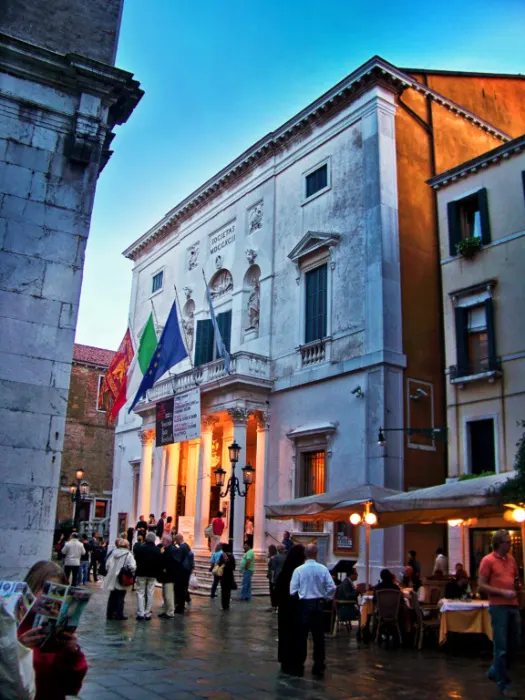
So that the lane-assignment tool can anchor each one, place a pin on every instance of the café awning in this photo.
(472, 498)
(325, 506)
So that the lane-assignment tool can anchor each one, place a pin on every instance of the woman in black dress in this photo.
(227, 581)
(288, 617)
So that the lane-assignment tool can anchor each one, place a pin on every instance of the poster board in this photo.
(179, 418)
(187, 528)
(346, 539)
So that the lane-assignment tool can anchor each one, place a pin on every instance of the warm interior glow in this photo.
(355, 518)
(79, 473)
(519, 515)
(508, 515)
(455, 523)
(370, 518)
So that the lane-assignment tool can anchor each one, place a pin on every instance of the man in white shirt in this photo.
(313, 583)
(441, 563)
(73, 550)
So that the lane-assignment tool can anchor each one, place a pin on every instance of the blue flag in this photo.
(169, 351)
(221, 348)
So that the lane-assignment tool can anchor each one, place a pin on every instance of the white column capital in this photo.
(147, 436)
(239, 414)
(208, 422)
(262, 419)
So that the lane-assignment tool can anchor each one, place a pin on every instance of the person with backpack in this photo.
(149, 565)
(120, 567)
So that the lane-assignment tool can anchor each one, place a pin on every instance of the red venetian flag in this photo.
(114, 384)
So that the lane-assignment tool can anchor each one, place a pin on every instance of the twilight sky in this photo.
(219, 75)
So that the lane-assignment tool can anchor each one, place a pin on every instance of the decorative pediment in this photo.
(311, 242)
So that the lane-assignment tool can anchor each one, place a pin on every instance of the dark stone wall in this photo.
(86, 27)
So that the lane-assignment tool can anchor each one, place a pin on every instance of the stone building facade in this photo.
(483, 291)
(88, 441)
(60, 97)
(319, 244)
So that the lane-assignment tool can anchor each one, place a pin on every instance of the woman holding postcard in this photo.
(58, 662)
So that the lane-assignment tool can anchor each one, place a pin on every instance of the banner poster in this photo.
(187, 415)
(163, 423)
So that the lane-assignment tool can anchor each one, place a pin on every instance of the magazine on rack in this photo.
(59, 609)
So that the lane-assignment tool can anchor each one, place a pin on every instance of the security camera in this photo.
(358, 392)
(421, 392)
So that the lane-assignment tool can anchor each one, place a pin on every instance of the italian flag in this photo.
(115, 383)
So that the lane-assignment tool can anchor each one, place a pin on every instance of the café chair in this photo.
(387, 611)
(423, 623)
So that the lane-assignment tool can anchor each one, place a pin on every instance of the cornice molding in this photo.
(471, 167)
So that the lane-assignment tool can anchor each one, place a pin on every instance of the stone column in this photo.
(146, 438)
(191, 476)
(202, 507)
(261, 476)
(172, 479)
(239, 418)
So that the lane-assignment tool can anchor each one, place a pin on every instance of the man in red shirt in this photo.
(498, 577)
(217, 525)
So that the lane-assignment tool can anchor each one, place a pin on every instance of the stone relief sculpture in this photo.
(218, 262)
(251, 255)
(188, 324)
(193, 256)
(255, 218)
(254, 306)
(222, 283)
(187, 291)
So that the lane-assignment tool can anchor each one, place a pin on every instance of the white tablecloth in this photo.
(446, 605)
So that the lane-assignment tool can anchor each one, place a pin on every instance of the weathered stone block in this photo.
(19, 273)
(13, 128)
(3, 229)
(37, 340)
(25, 156)
(19, 429)
(60, 375)
(67, 195)
(15, 180)
(32, 467)
(55, 246)
(33, 398)
(24, 307)
(33, 370)
(61, 219)
(12, 207)
(68, 316)
(3, 148)
(62, 282)
(38, 187)
(44, 137)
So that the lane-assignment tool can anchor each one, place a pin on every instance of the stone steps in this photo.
(205, 578)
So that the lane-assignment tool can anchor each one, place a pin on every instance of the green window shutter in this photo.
(224, 322)
(491, 333)
(315, 303)
(462, 341)
(204, 342)
(483, 204)
(454, 230)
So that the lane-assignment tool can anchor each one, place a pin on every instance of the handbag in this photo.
(234, 585)
(208, 531)
(218, 570)
(126, 576)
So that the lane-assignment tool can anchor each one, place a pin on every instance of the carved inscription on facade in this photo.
(222, 238)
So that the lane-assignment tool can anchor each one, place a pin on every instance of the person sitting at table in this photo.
(459, 587)
(347, 592)
(407, 580)
(386, 583)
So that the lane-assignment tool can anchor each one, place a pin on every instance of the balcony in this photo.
(488, 369)
(246, 369)
(315, 353)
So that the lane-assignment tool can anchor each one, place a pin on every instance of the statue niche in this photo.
(253, 300)
(188, 323)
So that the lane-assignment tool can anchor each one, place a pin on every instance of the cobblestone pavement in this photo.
(220, 655)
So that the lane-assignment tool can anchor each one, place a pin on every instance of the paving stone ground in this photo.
(232, 655)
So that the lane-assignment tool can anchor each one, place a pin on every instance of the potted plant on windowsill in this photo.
(468, 247)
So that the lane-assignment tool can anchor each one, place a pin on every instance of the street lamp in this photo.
(368, 519)
(79, 491)
(233, 486)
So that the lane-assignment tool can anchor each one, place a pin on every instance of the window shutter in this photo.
(491, 334)
(321, 302)
(316, 302)
(461, 340)
(204, 342)
(454, 230)
(483, 204)
(224, 322)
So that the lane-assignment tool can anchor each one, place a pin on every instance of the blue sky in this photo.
(219, 75)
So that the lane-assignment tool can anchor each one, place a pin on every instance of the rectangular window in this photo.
(316, 181)
(100, 396)
(469, 218)
(475, 339)
(156, 282)
(101, 509)
(205, 347)
(311, 482)
(482, 453)
(316, 303)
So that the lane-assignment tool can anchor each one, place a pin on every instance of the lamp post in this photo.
(79, 492)
(233, 486)
(368, 518)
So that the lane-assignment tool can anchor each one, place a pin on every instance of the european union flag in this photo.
(169, 351)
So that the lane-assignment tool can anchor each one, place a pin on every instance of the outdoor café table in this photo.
(465, 617)
(368, 606)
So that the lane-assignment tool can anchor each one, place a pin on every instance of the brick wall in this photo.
(88, 443)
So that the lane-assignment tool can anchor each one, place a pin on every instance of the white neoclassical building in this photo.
(299, 239)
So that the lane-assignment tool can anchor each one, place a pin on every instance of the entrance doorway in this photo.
(215, 501)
